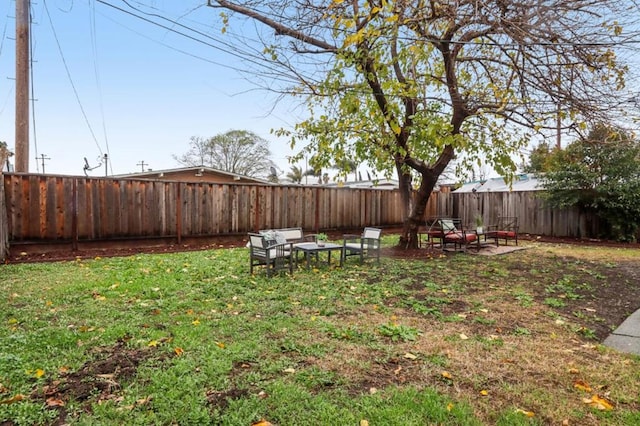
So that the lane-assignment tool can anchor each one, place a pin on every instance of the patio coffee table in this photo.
(313, 248)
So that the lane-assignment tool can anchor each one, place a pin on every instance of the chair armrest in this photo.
(351, 237)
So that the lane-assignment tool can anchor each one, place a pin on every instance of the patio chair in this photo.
(447, 232)
(274, 256)
(366, 245)
(506, 229)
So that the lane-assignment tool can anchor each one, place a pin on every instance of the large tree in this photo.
(236, 151)
(408, 85)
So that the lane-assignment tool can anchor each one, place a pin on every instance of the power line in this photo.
(66, 67)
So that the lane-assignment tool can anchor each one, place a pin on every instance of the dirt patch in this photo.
(97, 380)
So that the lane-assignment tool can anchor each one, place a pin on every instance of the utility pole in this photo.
(22, 85)
(106, 165)
(43, 157)
(142, 164)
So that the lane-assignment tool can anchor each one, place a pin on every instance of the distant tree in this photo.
(296, 174)
(539, 159)
(600, 174)
(4, 154)
(236, 151)
(315, 173)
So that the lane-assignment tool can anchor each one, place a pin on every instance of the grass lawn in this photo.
(192, 338)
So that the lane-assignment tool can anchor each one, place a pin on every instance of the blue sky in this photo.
(142, 97)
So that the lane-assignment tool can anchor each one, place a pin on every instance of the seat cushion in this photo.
(506, 234)
(459, 236)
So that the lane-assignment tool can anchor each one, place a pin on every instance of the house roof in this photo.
(198, 171)
(521, 182)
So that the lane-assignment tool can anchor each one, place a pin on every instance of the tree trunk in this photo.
(413, 222)
(429, 178)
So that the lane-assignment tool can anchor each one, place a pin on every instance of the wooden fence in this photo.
(68, 209)
(76, 209)
(533, 216)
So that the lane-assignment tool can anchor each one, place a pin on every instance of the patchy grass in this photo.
(192, 338)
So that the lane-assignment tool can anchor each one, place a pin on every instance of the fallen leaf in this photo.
(599, 402)
(153, 343)
(583, 386)
(144, 401)
(54, 402)
(364, 422)
(447, 375)
(289, 370)
(463, 316)
(484, 392)
(450, 406)
(179, 351)
(397, 370)
(38, 373)
(195, 322)
(373, 391)
(409, 355)
(17, 398)
(220, 345)
(463, 336)
(526, 413)
(262, 422)
(574, 371)
(110, 376)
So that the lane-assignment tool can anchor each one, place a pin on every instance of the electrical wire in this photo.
(94, 48)
(66, 67)
(230, 49)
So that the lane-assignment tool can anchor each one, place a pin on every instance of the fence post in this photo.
(4, 225)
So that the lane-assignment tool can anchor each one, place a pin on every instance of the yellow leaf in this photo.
(153, 343)
(450, 406)
(409, 355)
(484, 392)
(599, 402)
(463, 336)
(179, 351)
(39, 373)
(364, 422)
(447, 375)
(262, 422)
(526, 413)
(195, 322)
(289, 370)
(17, 398)
(583, 386)
(220, 345)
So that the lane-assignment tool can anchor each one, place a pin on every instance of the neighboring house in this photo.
(522, 182)
(381, 183)
(195, 174)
